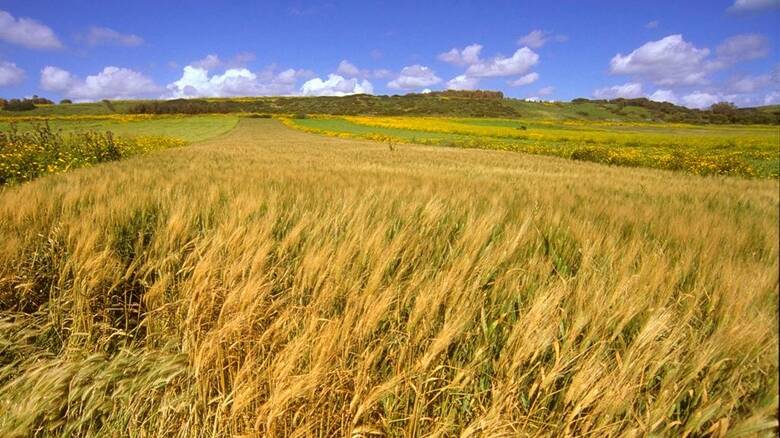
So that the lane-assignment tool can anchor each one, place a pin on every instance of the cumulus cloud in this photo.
(668, 61)
(336, 85)
(743, 48)
(346, 68)
(350, 70)
(519, 63)
(525, 80)
(675, 64)
(700, 99)
(742, 6)
(27, 32)
(462, 82)
(750, 84)
(212, 62)
(10, 74)
(414, 76)
(111, 83)
(466, 56)
(209, 62)
(630, 90)
(105, 36)
(197, 82)
(56, 79)
(748, 96)
(696, 99)
(662, 95)
(538, 38)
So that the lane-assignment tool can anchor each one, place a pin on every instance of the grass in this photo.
(269, 282)
(25, 155)
(190, 128)
(699, 149)
(74, 109)
(31, 147)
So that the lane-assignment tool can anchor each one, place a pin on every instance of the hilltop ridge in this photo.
(473, 103)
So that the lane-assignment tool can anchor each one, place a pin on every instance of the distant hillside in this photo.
(476, 103)
(646, 109)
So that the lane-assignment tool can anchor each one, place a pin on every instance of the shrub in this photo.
(719, 113)
(19, 105)
(475, 105)
(40, 100)
(66, 102)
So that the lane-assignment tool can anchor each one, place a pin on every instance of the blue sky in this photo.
(692, 53)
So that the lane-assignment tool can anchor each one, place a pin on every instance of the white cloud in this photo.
(414, 76)
(743, 48)
(652, 24)
(336, 85)
(196, 82)
(346, 68)
(546, 91)
(462, 82)
(700, 99)
(27, 32)
(350, 70)
(10, 74)
(664, 96)
(518, 64)
(668, 61)
(538, 38)
(753, 5)
(772, 98)
(534, 39)
(56, 79)
(105, 36)
(525, 80)
(696, 99)
(467, 56)
(676, 64)
(630, 90)
(750, 84)
(522, 60)
(111, 83)
(212, 62)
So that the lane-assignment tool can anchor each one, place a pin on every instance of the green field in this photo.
(191, 128)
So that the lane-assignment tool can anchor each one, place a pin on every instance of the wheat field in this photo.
(269, 282)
